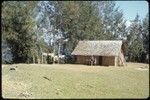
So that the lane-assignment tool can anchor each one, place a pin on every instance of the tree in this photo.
(17, 28)
(112, 19)
(145, 37)
(135, 40)
(81, 22)
(71, 20)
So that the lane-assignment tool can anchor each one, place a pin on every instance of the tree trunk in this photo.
(33, 59)
(42, 59)
(58, 53)
(38, 60)
(54, 53)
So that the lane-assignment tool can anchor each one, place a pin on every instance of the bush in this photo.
(70, 59)
(7, 57)
(49, 60)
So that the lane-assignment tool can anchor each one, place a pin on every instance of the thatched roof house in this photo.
(104, 52)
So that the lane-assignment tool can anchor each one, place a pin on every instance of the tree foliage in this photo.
(136, 39)
(32, 27)
(17, 29)
(112, 19)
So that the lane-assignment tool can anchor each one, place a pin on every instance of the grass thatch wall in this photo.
(82, 59)
(108, 60)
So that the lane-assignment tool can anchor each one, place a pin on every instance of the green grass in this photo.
(74, 81)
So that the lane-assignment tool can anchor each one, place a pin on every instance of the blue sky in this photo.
(131, 8)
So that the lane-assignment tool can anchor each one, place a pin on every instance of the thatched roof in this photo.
(101, 48)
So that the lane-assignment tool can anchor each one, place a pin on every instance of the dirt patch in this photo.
(136, 65)
(49, 79)
(141, 68)
(25, 94)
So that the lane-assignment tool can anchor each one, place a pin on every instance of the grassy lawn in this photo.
(75, 81)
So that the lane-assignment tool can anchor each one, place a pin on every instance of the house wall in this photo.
(108, 60)
(86, 59)
(82, 59)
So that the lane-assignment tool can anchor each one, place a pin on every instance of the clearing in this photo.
(75, 81)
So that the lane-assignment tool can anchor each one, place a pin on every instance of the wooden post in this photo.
(95, 60)
(92, 60)
(116, 60)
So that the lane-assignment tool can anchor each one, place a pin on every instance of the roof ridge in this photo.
(100, 40)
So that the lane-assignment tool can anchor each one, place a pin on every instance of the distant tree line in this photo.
(32, 27)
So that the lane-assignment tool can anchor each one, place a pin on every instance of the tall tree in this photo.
(77, 20)
(145, 37)
(17, 28)
(112, 19)
(81, 22)
(135, 40)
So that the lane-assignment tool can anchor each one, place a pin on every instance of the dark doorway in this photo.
(100, 60)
